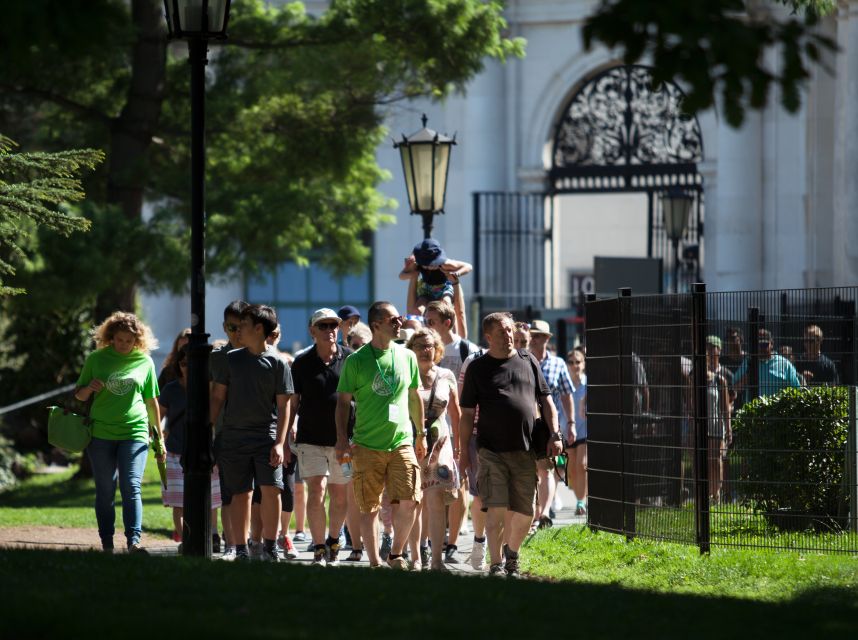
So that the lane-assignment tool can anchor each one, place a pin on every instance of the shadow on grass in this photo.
(67, 493)
(217, 599)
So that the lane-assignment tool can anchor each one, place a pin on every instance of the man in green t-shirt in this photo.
(382, 379)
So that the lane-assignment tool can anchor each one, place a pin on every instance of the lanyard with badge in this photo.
(392, 409)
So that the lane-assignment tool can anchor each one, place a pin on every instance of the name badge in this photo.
(393, 412)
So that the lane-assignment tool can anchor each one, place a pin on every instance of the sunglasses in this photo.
(327, 326)
(231, 327)
(396, 319)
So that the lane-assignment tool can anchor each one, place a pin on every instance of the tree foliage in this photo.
(295, 106)
(717, 47)
(34, 187)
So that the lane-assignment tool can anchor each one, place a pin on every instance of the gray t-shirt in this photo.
(253, 383)
(452, 359)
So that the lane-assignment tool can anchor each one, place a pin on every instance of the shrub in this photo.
(789, 453)
(13, 465)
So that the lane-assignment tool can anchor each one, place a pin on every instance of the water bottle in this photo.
(346, 465)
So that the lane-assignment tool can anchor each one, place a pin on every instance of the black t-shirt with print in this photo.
(316, 382)
(505, 391)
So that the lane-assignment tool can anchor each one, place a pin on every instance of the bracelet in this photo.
(556, 437)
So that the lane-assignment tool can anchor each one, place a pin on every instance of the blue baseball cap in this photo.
(347, 311)
(429, 253)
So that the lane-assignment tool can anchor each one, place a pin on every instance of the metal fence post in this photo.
(852, 459)
(629, 526)
(753, 353)
(699, 397)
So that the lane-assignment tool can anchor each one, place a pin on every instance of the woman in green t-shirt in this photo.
(121, 377)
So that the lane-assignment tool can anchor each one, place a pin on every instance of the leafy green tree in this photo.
(33, 189)
(717, 47)
(294, 114)
(295, 106)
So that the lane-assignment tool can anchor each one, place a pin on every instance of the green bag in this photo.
(68, 430)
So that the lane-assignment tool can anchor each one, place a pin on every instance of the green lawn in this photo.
(137, 597)
(578, 554)
(594, 583)
(57, 500)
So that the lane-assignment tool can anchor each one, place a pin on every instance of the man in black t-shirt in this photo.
(506, 384)
(316, 373)
(816, 368)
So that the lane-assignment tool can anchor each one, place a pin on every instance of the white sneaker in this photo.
(255, 549)
(477, 558)
(557, 505)
(228, 554)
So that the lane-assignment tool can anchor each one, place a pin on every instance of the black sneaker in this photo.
(424, 556)
(386, 544)
(497, 570)
(241, 555)
(269, 555)
(450, 554)
(504, 551)
(215, 543)
(332, 554)
(319, 556)
(511, 568)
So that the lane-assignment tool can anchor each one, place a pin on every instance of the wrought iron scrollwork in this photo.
(621, 120)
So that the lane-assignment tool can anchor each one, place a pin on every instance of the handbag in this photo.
(429, 420)
(540, 435)
(69, 430)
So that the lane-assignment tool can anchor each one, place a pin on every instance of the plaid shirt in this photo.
(557, 376)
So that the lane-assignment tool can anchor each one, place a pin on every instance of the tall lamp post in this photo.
(425, 162)
(197, 21)
(676, 206)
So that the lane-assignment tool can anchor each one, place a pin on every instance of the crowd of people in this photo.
(397, 424)
(730, 385)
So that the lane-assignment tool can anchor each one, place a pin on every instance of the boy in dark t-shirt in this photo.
(255, 385)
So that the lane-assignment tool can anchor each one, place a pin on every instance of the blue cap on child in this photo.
(429, 253)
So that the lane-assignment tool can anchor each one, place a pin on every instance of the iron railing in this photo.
(697, 434)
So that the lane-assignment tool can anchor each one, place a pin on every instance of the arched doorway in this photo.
(617, 133)
(620, 133)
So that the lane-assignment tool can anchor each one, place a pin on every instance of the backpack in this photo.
(465, 349)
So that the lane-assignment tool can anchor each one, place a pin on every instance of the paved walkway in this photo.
(45, 537)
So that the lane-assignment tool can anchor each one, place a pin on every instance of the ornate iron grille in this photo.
(622, 132)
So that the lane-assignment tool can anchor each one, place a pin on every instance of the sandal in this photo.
(355, 556)
(544, 523)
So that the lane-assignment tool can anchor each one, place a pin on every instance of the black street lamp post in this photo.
(197, 21)
(676, 206)
(425, 162)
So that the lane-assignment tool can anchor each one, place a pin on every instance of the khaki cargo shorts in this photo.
(373, 470)
(507, 479)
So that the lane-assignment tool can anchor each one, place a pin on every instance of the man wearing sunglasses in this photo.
(218, 362)
(382, 379)
(315, 374)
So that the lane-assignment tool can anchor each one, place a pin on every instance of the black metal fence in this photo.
(725, 418)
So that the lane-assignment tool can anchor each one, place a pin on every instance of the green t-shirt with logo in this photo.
(379, 379)
(119, 409)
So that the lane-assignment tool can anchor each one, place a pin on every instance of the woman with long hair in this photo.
(168, 368)
(120, 377)
(439, 391)
(576, 450)
(173, 404)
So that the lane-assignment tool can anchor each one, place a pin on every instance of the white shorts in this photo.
(314, 460)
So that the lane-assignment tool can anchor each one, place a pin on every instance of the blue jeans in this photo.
(124, 460)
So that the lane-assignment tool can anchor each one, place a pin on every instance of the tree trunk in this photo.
(131, 133)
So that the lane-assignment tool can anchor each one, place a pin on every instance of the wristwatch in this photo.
(556, 437)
